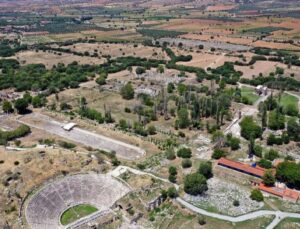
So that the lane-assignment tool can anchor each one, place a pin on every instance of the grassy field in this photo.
(249, 94)
(76, 212)
(289, 223)
(288, 100)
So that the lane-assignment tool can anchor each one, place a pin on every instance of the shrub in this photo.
(170, 154)
(151, 130)
(186, 163)
(234, 143)
(172, 170)
(236, 203)
(195, 184)
(257, 195)
(66, 145)
(184, 153)
(201, 220)
(172, 178)
(172, 193)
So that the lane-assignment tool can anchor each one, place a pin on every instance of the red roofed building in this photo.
(285, 193)
(241, 167)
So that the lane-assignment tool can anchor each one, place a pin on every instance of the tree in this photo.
(140, 70)
(38, 101)
(276, 120)
(183, 118)
(268, 178)
(257, 195)
(27, 97)
(289, 172)
(271, 155)
(293, 130)
(218, 153)
(170, 87)
(205, 168)
(160, 69)
(250, 128)
(184, 153)
(195, 184)
(21, 105)
(7, 106)
(127, 91)
(257, 150)
(172, 170)
(265, 163)
(101, 80)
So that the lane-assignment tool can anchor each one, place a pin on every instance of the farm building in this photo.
(283, 192)
(241, 167)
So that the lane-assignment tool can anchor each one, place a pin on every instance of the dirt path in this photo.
(94, 140)
(279, 215)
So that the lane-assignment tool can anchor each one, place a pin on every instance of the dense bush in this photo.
(195, 184)
(257, 195)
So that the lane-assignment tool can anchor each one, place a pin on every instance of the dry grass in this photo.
(220, 7)
(50, 59)
(264, 67)
(118, 50)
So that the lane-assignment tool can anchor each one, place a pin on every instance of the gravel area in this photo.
(220, 197)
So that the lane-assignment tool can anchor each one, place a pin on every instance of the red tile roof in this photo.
(286, 192)
(255, 171)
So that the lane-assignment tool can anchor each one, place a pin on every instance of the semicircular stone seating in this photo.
(47, 205)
